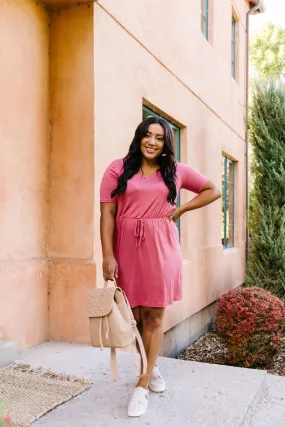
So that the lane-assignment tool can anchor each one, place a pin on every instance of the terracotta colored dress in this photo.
(147, 245)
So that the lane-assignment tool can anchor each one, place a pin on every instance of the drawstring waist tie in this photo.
(139, 226)
(139, 232)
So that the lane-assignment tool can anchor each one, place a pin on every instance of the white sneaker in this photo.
(156, 383)
(138, 403)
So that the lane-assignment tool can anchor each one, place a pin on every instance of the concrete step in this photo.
(8, 352)
(198, 395)
(270, 411)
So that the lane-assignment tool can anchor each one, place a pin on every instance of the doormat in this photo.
(27, 394)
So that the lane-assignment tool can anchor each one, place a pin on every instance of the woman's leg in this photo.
(152, 335)
(137, 315)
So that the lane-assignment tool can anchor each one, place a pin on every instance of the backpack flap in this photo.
(100, 302)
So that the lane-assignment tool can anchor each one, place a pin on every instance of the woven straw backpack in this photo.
(112, 324)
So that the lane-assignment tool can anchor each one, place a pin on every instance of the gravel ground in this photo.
(211, 349)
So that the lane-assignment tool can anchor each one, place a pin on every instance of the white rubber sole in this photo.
(136, 414)
(157, 389)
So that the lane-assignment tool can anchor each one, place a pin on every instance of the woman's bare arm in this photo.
(209, 193)
(107, 231)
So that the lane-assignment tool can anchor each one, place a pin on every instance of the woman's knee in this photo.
(152, 318)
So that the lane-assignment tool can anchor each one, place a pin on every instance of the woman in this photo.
(140, 240)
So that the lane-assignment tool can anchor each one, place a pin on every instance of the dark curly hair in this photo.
(133, 160)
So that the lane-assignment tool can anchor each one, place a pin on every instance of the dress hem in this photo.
(155, 305)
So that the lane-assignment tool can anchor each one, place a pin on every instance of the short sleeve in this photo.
(190, 179)
(110, 182)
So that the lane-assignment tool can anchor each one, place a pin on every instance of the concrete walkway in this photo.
(198, 395)
(270, 411)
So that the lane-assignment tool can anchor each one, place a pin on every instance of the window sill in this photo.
(228, 251)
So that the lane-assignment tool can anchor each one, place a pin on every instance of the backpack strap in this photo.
(140, 345)
(141, 352)
(114, 364)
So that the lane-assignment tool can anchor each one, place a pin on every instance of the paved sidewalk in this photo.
(198, 395)
(270, 411)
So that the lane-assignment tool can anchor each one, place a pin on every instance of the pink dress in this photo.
(146, 244)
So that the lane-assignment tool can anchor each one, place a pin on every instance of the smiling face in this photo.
(153, 143)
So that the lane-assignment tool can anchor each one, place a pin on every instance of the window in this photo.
(205, 18)
(228, 187)
(234, 46)
(176, 134)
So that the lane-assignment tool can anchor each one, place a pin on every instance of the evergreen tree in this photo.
(267, 222)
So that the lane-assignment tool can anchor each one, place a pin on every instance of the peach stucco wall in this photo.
(83, 73)
(24, 43)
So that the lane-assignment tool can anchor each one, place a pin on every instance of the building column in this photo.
(70, 251)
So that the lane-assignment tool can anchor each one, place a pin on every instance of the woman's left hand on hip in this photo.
(175, 215)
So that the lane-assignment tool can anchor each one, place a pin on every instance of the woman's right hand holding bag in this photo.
(110, 268)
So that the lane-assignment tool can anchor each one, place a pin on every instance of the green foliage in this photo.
(267, 53)
(267, 223)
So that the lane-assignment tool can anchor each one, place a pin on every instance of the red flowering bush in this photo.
(251, 321)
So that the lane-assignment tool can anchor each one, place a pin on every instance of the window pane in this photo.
(230, 202)
(223, 200)
(205, 17)
(227, 202)
(146, 114)
(230, 218)
(229, 191)
(223, 224)
(203, 24)
(226, 222)
(230, 171)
